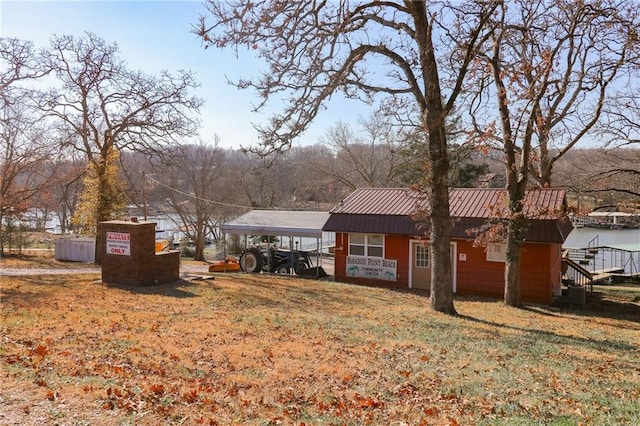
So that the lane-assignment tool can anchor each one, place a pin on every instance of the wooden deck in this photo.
(603, 274)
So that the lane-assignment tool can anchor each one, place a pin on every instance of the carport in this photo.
(280, 223)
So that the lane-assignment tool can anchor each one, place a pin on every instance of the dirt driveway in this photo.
(185, 269)
(12, 272)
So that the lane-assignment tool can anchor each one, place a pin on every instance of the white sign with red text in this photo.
(119, 243)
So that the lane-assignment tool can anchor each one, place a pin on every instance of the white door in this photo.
(420, 264)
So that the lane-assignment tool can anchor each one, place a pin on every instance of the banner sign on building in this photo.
(372, 267)
(497, 252)
(119, 243)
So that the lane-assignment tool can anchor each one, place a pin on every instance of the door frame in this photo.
(453, 253)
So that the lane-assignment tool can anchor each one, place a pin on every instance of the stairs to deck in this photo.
(583, 256)
(574, 273)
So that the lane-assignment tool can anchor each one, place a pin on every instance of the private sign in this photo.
(119, 243)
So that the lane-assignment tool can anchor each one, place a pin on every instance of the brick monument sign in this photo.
(126, 252)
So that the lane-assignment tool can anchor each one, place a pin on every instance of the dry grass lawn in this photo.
(257, 350)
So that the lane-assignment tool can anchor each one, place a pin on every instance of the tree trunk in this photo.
(199, 252)
(441, 281)
(516, 230)
(433, 118)
(103, 203)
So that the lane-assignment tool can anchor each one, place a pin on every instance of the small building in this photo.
(379, 241)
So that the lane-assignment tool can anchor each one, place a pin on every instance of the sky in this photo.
(156, 35)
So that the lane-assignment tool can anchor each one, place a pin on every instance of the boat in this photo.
(611, 220)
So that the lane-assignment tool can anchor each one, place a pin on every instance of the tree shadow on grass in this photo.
(30, 290)
(279, 293)
(533, 335)
(602, 305)
(178, 289)
(598, 305)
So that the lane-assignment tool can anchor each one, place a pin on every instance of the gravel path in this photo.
(185, 269)
(13, 272)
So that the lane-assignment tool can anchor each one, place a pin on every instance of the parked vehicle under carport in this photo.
(279, 261)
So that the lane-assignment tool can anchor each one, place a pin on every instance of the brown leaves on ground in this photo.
(258, 349)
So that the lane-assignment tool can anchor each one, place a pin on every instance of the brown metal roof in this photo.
(381, 201)
(389, 211)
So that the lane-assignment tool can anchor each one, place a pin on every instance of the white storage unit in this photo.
(75, 249)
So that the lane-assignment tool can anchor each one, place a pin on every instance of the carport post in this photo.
(224, 245)
(318, 248)
(291, 254)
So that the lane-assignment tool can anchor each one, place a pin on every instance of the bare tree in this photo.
(23, 155)
(196, 189)
(315, 187)
(101, 106)
(365, 156)
(263, 181)
(600, 176)
(20, 62)
(23, 147)
(614, 175)
(552, 66)
(414, 51)
(66, 186)
(621, 122)
(621, 130)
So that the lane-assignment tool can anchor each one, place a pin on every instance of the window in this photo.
(422, 256)
(357, 244)
(371, 245)
(375, 245)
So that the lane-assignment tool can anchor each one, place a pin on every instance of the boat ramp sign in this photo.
(119, 243)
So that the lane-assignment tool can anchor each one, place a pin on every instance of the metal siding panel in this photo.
(379, 224)
(278, 222)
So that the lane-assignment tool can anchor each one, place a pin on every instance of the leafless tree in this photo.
(101, 105)
(21, 62)
(197, 190)
(553, 66)
(365, 156)
(315, 187)
(621, 176)
(620, 130)
(23, 145)
(67, 170)
(415, 52)
(609, 175)
(263, 181)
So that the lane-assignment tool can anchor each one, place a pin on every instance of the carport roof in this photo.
(279, 223)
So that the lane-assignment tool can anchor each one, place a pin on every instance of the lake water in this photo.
(580, 237)
(605, 258)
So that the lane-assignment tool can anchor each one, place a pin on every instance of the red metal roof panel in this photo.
(463, 202)
(391, 210)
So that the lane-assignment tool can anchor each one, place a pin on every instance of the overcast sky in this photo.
(155, 35)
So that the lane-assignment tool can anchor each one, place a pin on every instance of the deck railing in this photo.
(575, 274)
